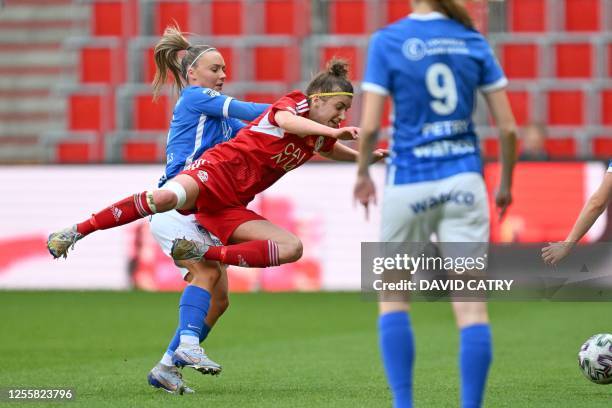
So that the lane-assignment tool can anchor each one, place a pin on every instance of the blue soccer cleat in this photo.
(187, 355)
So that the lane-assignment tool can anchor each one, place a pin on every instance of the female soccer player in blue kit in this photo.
(432, 63)
(202, 118)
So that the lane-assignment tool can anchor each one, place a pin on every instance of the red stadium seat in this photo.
(149, 115)
(276, 63)
(286, 17)
(490, 148)
(520, 61)
(117, 18)
(520, 103)
(100, 64)
(171, 12)
(226, 17)
(602, 147)
(74, 152)
(582, 15)
(140, 151)
(527, 15)
(565, 107)
(90, 112)
(348, 17)
(396, 10)
(559, 148)
(350, 53)
(573, 60)
(606, 107)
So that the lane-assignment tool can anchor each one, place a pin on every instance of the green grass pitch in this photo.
(287, 350)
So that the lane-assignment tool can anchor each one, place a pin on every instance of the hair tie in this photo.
(330, 94)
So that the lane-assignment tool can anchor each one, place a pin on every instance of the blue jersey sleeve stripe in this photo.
(374, 88)
(226, 105)
(495, 86)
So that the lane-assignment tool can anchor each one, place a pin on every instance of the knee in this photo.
(295, 249)
(164, 200)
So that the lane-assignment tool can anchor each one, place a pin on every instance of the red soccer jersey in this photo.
(262, 152)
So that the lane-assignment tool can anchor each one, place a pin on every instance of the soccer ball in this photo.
(595, 358)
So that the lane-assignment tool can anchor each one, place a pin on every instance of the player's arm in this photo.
(593, 208)
(246, 110)
(212, 103)
(340, 152)
(303, 127)
(500, 109)
(371, 116)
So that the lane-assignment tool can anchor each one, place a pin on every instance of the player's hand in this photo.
(379, 154)
(346, 133)
(555, 252)
(365, 192)
(503, 199)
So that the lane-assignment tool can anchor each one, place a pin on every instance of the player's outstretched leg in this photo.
(173, 195)
(169, 379)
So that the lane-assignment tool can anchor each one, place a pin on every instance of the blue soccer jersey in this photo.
(432, 66)
(202, 118)
(610, 166)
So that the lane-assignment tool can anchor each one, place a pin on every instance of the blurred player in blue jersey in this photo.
(595, 206)
(202, 118)
(432, 63)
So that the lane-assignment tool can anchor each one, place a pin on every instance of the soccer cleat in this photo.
(187, 355)
(187, 250)
(168, 378)
(59, 242)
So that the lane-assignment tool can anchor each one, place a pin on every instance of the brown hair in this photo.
(454, 11)
(166, 55)
(333, 79)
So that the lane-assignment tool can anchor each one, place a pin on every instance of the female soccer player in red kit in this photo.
(219, 185)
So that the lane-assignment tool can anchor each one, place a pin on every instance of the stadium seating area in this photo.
(557, 54)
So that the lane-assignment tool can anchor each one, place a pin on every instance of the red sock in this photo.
(122, 212)
(254, 254)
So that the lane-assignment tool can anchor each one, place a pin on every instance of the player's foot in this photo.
(187, 250)
(187, 355)
(59, 242)
(168, 378)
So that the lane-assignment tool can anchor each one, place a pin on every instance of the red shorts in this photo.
(217, 207)
(223, 223)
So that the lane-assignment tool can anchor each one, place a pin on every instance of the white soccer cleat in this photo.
(188, 250)
(188, 355)
(169, 379)
(59, 242)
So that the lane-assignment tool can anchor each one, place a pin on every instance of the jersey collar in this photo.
(434, 15)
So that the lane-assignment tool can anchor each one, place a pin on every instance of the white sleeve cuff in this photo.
(374, 88)
(226, 105)
(495, 86)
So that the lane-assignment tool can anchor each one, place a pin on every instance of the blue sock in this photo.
(193, 308)
(204, 333)
(475, 356)
(397, 348)
(174, 343)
